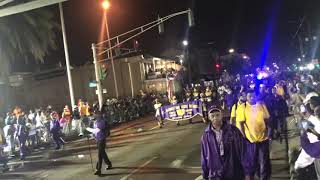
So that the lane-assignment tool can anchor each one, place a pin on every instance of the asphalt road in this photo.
(138, 150)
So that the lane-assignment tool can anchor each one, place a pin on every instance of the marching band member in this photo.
(157, 106)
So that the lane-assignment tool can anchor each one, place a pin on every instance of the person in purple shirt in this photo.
(55, 129)
(222, 149)
(313, 149)
(100, 131)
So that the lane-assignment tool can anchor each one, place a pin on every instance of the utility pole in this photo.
(66, 52)
(96, 70)
(111, 58)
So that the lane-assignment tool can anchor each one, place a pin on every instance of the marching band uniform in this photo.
(204, 106)
(188, 95)
(157, 106)
(195, 94)
(208, 94)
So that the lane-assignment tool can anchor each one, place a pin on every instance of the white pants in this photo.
(77, 125)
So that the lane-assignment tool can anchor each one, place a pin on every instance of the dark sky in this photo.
(249, 26)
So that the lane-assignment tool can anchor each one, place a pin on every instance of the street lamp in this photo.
(185, 43)
(231, 50)
(299, 59)
(106, 4)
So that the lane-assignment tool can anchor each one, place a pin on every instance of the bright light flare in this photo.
(310, 67)
(245, 57)
(301, 68)
(185, 43)
(106, 4)
(231, 50)
(262, 75)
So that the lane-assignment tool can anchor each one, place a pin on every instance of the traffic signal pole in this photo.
(134, 33)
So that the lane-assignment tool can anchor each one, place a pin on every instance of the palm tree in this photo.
(27, 35)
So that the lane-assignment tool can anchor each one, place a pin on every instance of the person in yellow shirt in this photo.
(257, 141)
(237, 111)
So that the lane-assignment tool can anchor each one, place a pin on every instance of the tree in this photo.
(27, 35)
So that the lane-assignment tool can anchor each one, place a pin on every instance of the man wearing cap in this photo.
(257, 141)
(222, 149)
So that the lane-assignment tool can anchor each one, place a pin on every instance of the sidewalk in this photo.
(281, 161)
(74, 144)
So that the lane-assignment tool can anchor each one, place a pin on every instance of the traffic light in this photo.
(218, 66)
(135, 45)
(103, 71)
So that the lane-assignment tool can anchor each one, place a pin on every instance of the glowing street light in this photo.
(231, 50)
(299, 59)
(185, 43)
(106, 4)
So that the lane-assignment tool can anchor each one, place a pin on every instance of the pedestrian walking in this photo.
(55, 129)
(257, 158)
(22, 134)
(222, 149)
(76, 122)
(67, 117)
(100, 132)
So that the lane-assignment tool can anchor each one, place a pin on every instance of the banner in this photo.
(181, 111)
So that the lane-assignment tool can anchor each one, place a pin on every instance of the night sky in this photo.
(249, 26)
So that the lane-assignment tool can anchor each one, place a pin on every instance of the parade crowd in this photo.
(244, 114)
(22, 132)
(248, 114)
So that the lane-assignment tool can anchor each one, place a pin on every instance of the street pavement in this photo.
(138, 150)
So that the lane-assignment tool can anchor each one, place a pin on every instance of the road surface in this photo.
(138, 150)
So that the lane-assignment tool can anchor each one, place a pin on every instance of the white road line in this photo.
(138, 169)
(30, 161)
(176, 163)
(199, 178)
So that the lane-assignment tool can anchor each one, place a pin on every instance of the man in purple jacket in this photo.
(222, 149)
(100, 132)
